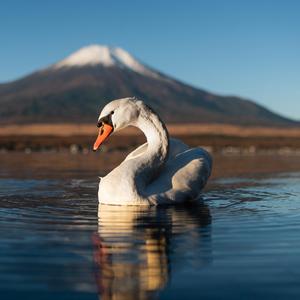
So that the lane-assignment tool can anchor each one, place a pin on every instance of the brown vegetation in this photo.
(174, 129)
(216, 137)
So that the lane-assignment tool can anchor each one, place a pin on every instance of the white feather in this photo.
(161, 171)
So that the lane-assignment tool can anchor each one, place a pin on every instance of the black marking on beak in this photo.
(105, 120)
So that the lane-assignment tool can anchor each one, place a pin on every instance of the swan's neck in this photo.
(147, 166)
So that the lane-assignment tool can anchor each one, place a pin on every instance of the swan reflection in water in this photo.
(136, 249)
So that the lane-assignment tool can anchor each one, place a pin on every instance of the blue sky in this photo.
(246, 48)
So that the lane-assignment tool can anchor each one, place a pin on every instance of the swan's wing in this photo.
(138, 151)
(182, 179)
(175, 147)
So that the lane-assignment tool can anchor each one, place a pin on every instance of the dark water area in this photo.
(242, 241)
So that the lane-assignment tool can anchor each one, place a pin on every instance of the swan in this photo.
(161, 171)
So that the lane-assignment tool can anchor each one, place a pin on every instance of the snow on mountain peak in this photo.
(106, 56)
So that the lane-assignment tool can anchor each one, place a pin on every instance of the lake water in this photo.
(241, 242)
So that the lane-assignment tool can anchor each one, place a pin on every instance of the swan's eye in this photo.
(112, 112)
(105, 120)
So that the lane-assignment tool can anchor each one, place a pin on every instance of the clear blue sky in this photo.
(239, 47)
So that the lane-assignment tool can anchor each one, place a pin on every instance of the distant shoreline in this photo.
(216, 138)
(185, 129)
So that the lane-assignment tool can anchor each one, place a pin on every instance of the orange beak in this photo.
(104, 132)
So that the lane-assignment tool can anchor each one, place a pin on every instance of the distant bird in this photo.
(161, 171)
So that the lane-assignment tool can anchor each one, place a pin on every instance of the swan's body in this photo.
(161, 171)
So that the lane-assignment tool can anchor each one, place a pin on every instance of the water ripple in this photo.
(244, 237)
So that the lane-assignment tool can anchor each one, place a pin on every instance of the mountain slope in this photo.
(75, 89)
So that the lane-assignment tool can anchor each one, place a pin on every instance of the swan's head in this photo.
(117, 115)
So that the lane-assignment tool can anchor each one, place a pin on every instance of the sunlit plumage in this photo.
(161, 171)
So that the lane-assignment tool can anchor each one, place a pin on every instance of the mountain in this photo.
(76, 88)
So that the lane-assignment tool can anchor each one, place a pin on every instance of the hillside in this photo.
(74, 90)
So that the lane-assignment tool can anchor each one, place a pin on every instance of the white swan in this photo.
(161, 171)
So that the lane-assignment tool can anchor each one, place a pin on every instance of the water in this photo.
(241, 242)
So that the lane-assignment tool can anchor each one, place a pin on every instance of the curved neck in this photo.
(147, 165)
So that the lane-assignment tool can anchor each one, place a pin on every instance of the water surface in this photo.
(241, 241)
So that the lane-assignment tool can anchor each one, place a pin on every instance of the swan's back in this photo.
(182, 178)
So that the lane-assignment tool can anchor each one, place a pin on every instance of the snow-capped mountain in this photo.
(75, 88)
(105, 56)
